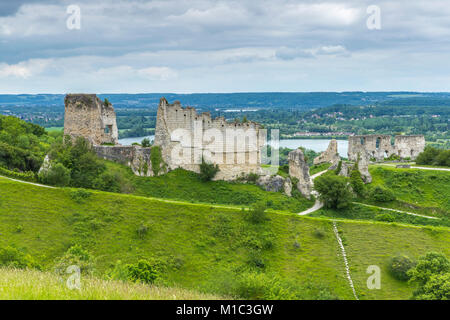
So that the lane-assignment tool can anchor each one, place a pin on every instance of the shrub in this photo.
(77, 256)
(143, 271)
(380, 194)
(11, 257)
(357, 182)
(334, 191)
(80, 195)
(338, 168)
(156, 159)
(399, 267)
(433, 156)
(257, 214)
(319, 233)
(56, 175)
(431, 275)
(142, 231)
(109, 181)
(145, 143)
(208, 170)
(27, 176)
(385, 217)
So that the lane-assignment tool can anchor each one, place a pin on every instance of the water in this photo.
(318, 145)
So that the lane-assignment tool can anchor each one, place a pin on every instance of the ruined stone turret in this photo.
(330, 155)
(298, 168)
(87, 116)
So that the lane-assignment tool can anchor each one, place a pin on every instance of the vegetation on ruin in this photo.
(206, 248)
(156, 159)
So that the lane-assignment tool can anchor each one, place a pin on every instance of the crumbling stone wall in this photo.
(381, 146)
(298, 168)
(87, 116)
(330, 155)
(186, 150)
(136, 157)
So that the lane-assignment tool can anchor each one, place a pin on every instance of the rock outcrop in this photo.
(298, 168)
(275, 183)
(330, 155)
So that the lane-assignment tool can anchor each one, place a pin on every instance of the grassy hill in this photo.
(210, 249)
(422, 191)
(36, 285)
(186, 186)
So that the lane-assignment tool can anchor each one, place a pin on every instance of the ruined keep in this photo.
(87, 116)
(381, 147)
(298, 168)
(330, 155)
(185, 137)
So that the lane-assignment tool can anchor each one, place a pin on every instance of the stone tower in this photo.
(87, 116)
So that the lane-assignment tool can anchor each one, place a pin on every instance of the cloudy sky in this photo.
(223, 46)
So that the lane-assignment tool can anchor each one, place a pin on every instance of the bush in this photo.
(257, 213)
(11, 257)
(145, 143)
(431, 275)
(399, 267)
(56, 175)
(77, 256)
(380, 194)
(357, 182)
(109, 181)
(433, 156)
(156, 159)
(27, 176)
(80, 195)
(385, 217)
(208, 170)
(142, 231)
(334, 191)
(143, 271)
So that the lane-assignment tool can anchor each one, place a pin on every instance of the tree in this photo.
(356, 181)
(399, 267)
(334, 191)
(208, 170)
(431, 275)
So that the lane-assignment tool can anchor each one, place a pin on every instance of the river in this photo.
(318, 145)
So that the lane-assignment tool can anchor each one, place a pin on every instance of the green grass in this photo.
(359, 212)
(421, 191)
(36, 285)
(186, 186)
(206, 249)
(318, 168)
(50, 129)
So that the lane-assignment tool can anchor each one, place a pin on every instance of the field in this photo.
(210, 249)
(18, 284)
(422, 191)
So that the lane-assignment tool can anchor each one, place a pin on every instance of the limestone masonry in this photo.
(87, 116)
(186, 136)
(330, 155)
(380, 146)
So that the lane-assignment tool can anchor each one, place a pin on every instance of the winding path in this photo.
(317, 205)
(395, 210)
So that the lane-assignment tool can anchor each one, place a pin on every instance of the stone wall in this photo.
(87, 116)
(330, 155)
(298, 168)
(381, 146)
(186, 136)
(136, 157)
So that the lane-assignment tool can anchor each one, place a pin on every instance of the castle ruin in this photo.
(87, 116)
(380, 147)
(186, 137)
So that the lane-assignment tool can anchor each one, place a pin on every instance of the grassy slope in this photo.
(36, 285)
(213, 244)
(421, 191)
(184, 185)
